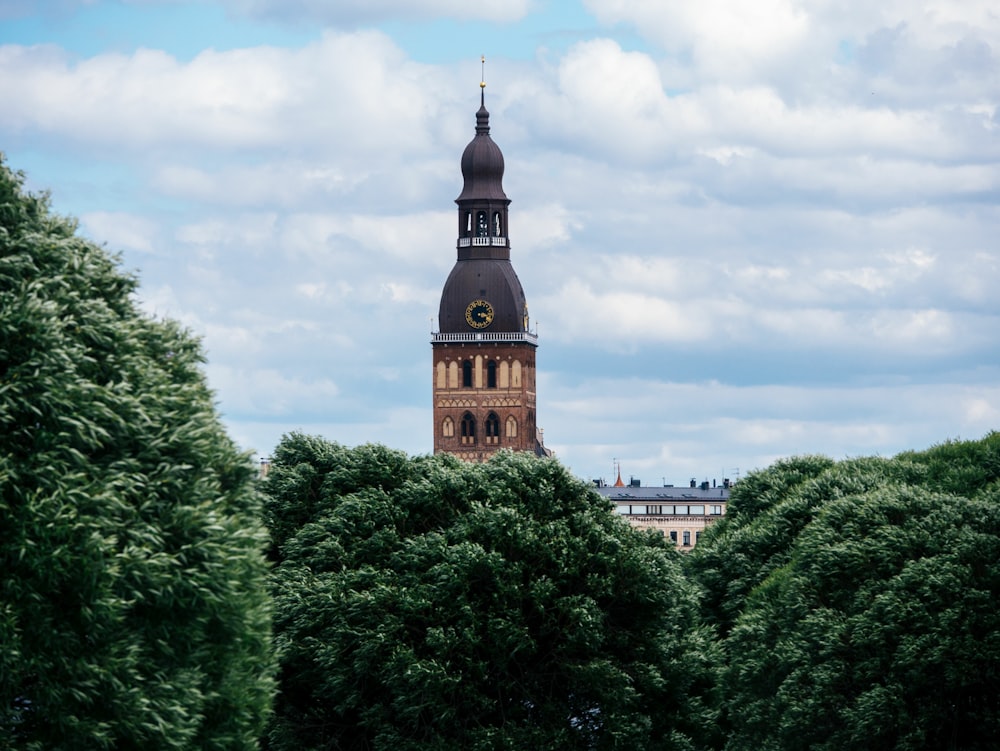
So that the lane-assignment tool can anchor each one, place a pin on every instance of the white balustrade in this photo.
(496, 241)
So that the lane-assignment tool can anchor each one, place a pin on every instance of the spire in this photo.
(483, 115)
(482, 161)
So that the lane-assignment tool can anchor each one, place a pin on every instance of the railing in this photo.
(487, 336)
(496, 241)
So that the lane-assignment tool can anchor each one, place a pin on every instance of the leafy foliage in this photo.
(753, 538)
(133, 603)
(426, 603)
(871, 621)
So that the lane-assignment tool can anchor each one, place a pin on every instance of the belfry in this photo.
(484, 349)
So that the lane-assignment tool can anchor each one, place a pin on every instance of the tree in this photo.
(425, 603)
(763, 517)
(879, 629)
(133, 602)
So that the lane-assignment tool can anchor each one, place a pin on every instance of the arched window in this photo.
(511, 427)
(448, 428)
(441, 370)
(468, 224)
(492, 429)
(468, 429)
(482, 225)
(491, 375)
(504, 375)
(496, 224)
(453, 375)
(467, 374)
(515, 374)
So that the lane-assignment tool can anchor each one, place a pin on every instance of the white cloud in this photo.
(358, 11)
(401, 292)
(736, 249)
(816, 48)
(534, 228)
(120, 230)
(981, 413)
(614, 105)
(676, 431)
(612, 318)
(268, 392)
(252, 233)
(243, 99)
(723, 37)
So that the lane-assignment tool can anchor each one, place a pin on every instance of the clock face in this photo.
(479, 314)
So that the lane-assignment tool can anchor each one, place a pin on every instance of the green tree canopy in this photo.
(133, 598)
(425, 603)
(871, 622)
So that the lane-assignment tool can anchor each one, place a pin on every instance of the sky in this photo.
(746, 229)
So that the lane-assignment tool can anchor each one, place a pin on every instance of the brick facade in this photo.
(493, 383)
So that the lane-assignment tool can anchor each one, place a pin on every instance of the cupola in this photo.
(483, 272)
(482, 163)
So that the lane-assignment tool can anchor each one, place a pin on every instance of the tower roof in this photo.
(483, 276)
(482, 162)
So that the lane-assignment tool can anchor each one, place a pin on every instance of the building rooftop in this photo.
(665, 494)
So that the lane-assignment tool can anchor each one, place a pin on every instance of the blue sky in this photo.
(746, 230)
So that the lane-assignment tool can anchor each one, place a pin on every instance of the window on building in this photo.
(687, 537)
(482, 225)
(655, 509)
(492, 429)
(715, 510)
(511, 427)
(496, 224)
(467, 374)
(697, 537)
(468, 429)
(698, 510)
(673, 536)
(448, 427)
(682, 510)
(491, 375)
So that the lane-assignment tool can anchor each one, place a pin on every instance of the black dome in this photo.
(490, 280)
(482, 163)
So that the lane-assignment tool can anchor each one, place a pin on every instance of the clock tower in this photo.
(484, 350)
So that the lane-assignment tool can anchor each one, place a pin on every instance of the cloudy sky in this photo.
(747, 229)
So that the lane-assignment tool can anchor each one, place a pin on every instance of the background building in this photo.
(680, 513)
